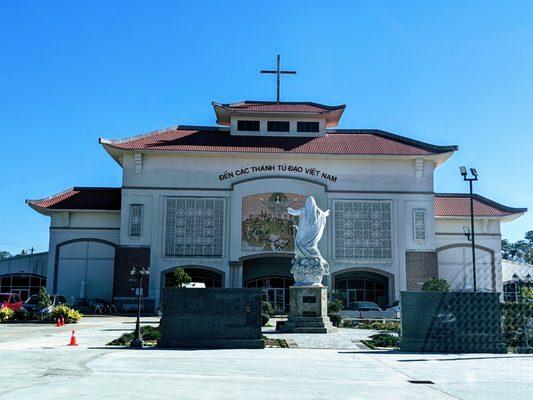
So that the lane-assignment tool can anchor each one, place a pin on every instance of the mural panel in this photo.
(266, 224)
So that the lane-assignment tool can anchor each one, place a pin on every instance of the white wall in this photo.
(162, 176)
(455, 263)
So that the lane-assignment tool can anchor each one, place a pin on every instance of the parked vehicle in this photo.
(366, 306)
(31, 304)
(11, 300)
(395, 308)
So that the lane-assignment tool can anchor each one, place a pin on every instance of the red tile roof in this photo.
(458, 205)
(283, 107)
(81, 198)
(342, 142)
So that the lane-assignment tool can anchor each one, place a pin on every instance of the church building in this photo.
(213, 199)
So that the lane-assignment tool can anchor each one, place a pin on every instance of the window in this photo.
(243, 125)
(136, 220)
(278, 126)
(363, 229)
(419, 224)
(307, 127)
(194, 226)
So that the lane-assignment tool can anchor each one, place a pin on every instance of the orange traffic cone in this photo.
(73, 341)
(62, 321)
(58, 322)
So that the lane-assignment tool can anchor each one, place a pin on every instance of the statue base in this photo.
(309, 311)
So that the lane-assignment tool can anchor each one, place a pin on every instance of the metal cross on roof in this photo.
(278, 73)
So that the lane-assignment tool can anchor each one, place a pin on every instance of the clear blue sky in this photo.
(448, 72)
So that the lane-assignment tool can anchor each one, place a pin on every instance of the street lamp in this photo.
(139, 274)
(471, 234)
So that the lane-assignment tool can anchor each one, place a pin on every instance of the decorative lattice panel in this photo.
(194, 227)
(363, 229)
(136, 220)
(419, 224)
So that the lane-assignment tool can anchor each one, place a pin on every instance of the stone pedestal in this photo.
(309, 311)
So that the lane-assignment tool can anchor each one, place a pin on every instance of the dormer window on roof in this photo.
(267, 118)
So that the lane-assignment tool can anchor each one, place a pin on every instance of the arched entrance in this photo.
(362, 286)
(212, 278)
(273, 275)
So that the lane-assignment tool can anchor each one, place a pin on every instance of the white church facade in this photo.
(214, 201)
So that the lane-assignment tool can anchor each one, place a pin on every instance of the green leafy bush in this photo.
(334, 306)
(384, 339)
(178, 278)
(264, 319)
(6, 314)
(436, 285)
(266, 308)
(336, 319)
(392, 326)
(147, 332)
(21, 315)
(69, 315)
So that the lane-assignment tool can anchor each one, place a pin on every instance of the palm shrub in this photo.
(6, 314)
(70, 316)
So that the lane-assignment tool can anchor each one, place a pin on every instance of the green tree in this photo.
(43, 299)
(178, 277)
(521, 251)
(4, 254)
(435, 285)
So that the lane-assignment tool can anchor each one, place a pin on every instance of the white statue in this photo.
(308, 265)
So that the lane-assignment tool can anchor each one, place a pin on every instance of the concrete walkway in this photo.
(36, 364)
(346, 339)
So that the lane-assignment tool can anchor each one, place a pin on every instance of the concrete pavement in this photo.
(36, 364)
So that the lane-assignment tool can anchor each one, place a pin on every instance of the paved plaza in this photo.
(37, 364)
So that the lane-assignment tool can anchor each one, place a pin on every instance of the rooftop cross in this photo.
(278, 73)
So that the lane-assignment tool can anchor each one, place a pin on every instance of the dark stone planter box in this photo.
(451, 322)
(211, 318)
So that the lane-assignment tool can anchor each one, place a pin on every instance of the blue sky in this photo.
(448, 72)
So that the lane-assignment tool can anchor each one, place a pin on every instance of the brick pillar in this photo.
(419, 267)
(124, 284)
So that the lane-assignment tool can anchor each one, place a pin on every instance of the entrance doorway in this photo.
(362, 286)
(272, 274)
(210, 277)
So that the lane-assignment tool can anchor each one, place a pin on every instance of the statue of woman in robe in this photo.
(309, 266)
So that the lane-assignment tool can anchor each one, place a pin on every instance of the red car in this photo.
(11, 300)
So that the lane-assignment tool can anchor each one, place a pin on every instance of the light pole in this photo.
(137, 342)
(471, 234)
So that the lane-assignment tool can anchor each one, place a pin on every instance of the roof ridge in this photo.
(485, 200)
(396, 137)
(102, 140)
(267, 102)
(32, 201)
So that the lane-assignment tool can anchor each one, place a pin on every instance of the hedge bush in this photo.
(6, 314)
(69, 315)
(384, 339)
(392, 326)
(147, 332)
(513, 315)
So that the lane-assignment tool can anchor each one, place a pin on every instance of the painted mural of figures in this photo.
(308, 265)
